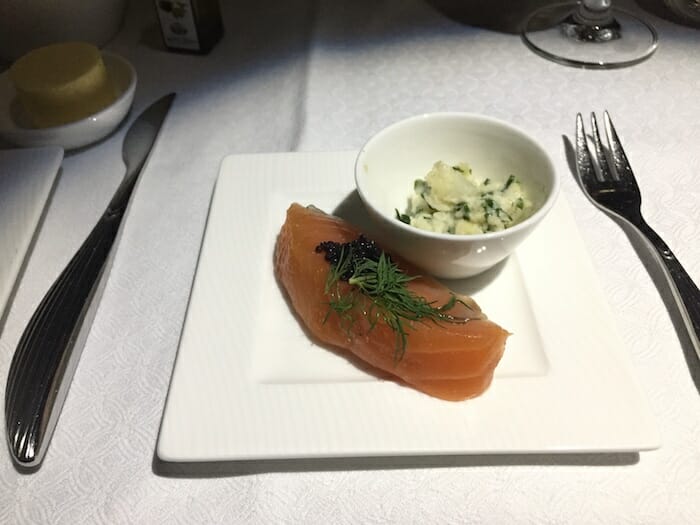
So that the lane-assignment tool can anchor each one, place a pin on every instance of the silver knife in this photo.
(46, 357)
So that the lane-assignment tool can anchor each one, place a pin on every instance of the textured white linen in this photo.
(325, 76)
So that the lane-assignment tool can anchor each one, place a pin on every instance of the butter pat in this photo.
(62, 83)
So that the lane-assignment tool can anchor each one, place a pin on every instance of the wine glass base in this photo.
(624, 41)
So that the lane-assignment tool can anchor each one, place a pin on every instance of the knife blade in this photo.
(46, 356)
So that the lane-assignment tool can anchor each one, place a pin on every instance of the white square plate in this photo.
(248, 384)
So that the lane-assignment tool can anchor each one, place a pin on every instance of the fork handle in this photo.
(684, 290)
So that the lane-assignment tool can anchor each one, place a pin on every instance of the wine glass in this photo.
(589, 34)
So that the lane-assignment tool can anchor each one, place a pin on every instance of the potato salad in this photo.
(451, 199)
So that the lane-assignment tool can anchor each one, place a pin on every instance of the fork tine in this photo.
(605, 173)
(584, 166)
(622, 165)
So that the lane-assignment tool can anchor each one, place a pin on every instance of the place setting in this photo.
(488, 221)
(444, 281)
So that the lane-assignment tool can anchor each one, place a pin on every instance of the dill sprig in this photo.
(371, 273)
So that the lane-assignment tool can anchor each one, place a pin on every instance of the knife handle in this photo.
(45, 359)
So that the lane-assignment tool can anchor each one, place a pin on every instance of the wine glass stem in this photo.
(592, 21)
(594, 12)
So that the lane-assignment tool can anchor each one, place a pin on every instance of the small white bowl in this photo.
(391, 160)
(15, 128)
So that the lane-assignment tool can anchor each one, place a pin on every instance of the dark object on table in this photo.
(505, 16)
(189, 25)
(684, 12)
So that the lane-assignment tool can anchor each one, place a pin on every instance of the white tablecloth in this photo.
(319, 76)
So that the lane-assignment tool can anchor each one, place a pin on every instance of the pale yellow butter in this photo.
(62, 83)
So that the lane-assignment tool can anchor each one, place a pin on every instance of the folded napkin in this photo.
(26, 179)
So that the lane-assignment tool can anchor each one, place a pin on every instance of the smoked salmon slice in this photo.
(451, 360)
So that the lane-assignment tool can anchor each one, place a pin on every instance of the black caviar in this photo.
(359, 249)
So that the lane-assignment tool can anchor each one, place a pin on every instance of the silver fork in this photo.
(616, 191)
